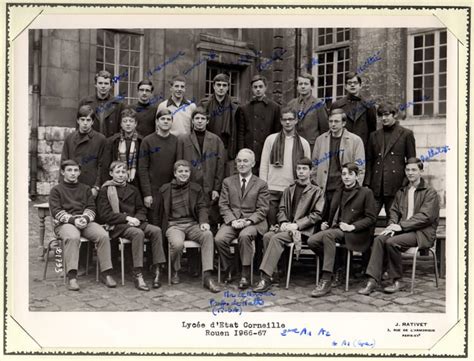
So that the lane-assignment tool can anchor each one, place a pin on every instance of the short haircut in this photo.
(181, 163)
(351, 75)
(177, 78)
(117, 164)
(128, 111)
(248, 151)
(69, 162)
(145, 82)
(164, 111)
(257, 78)
(387, 107)
(286, 110)
(221, 77)
(104, 74)
(199, 110)
(306, 76)
(414, 160)
(351, 167)
(85, 111)
(305, 161)
(339, 111)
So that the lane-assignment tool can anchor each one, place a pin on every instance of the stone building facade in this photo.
(405, 66)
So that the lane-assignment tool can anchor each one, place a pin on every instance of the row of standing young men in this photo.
(383, 154)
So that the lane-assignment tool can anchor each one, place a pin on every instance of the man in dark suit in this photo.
(257, 119)
(301, 207)
(388, 150)
(361, 116)
(351, 220)
(243, 205)
(414, 217)
(106, 107)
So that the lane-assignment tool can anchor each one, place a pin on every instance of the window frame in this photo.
(225, 68)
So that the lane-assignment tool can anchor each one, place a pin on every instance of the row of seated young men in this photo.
(243, 205)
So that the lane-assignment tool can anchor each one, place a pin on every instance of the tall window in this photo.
(333, 61)
(234, 75)
(427, 73)
(121, 54)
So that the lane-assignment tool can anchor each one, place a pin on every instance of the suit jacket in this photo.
(361, 116)
(130, 204)
(308, 210)
(111, 154)
(253, 204)
(108, 110)
(424, 221)
(351, 150)
(358, 210)
(197, 203)
(208, 166)
(313, 119)
(88, 152)
(253, 128)
(385, 170)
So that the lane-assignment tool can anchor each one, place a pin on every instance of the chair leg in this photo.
(251, 266)
(317, 270)
(413, 270)
(61, 244)
(348, 269)
(435, 261)
(290, 260)
(48, 249)
(122, 260)
(87, 258)
(169, 266)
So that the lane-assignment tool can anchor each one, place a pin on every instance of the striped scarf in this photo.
(132, 155)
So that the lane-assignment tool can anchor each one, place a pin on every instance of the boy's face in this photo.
(103, 86)
(85, 123)
(353, 86)
(178, 89)
(288, 121)
(199, 122)
(388, 119)
(336, 123)
(182, 173)
(303, 172)
(348, 178)
(144, 93)
(119, 174)
(258, 89)
(128, 124)
(413, 172)
(221, 88)
(164, 122)
(71, 173)
(304, 86)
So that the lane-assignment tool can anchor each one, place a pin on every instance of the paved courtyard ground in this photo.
(52, 295)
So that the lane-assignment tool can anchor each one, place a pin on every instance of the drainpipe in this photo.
(297, 57)
(35, 109)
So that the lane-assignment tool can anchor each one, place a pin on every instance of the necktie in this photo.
(242, 188)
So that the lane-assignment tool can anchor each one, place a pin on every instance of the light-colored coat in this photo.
(351, 150)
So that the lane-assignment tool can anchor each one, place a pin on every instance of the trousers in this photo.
(324, 242)
(245, 237)
(273, 245)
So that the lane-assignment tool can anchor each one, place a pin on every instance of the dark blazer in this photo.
(424, 221)
(130, 204)
(111, 154)
(107, 109)
(208, 167)
(358, 210)
(253, 128)
(361, 116)
(88, 152)
(308, 210)
(313, 119)
(196, 199)
(254, 204)
(385, 168)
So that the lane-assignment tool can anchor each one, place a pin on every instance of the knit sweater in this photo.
(181, 115)
(67, 201)
(157, 157)
(278, 178)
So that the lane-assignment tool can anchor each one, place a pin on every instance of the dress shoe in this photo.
(338, 278)
(323, 288)
(108, 281)
(385, 276)
(73, 286)
(395, 287)
(211, 285)
(244, 283)
(140, 282)
(262, 286)
(369, 287)
(175, 278)
(156, 280)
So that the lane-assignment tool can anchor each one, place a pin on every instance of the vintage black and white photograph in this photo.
(232, 179)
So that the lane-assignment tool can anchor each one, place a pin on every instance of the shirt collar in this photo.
(264, 100)
(171, 102)
(247, 179)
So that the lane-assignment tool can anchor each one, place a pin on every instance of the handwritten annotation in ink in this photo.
(235, 302)
(110, 103)
(276, 55)
(116, 78)
(327, 156)
(322, 102)
(205, 156)
(212, 55)
(409, 104)
(166, 63)
(140, 154)
(369, 61)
